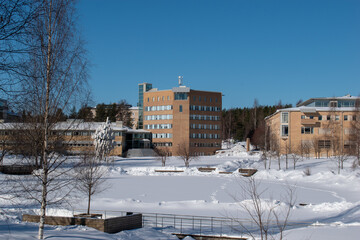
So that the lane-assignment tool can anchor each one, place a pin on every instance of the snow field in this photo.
(329, 202)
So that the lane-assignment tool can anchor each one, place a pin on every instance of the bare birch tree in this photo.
(91, 177)
(15, 18)
(268, 217)
(52, 78)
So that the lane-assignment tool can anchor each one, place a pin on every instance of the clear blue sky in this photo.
(269, 50)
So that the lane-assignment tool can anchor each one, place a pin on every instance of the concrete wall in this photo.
(110, 225)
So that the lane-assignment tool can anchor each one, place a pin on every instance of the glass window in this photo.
(328, 117)
(180, 108)
(181, 96)
(337, 118)
(345, 117)
(307, 130)
(320, 118)
(285, 117)
(284, 130)
(303, 116)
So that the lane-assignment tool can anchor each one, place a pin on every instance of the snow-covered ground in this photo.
(329, 203)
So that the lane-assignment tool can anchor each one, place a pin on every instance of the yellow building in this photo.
(182, 117)
(319, 127)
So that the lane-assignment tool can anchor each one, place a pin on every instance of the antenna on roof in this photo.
(180, 80)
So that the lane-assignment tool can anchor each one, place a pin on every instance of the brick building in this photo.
(321, 127)
(183, 117)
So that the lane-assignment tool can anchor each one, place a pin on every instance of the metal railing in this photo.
(202, 225)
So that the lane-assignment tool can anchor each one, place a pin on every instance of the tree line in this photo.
(115, 112)
(248, 122)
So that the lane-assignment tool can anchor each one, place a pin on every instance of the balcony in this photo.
(309, 121)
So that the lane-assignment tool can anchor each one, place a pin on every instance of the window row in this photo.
(162, 135)
(205, 108)
(159, 98)
(204, 144)
(159, 117)
(205, 126)
(158, 126)
(163, 144)
(330, 117)
(204, 98)
(118, 144)
(321, 131)
(158, 108)
(205, 136)
(66, 133)
(204, 117)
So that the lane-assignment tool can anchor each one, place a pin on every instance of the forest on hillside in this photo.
(242, 123)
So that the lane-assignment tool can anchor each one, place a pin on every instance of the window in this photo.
(311, 117)
(199, 98)
(328, 117)
(345, 117)
(324, 144)
(303, 117)
(285, 117)
(284, 130)
(337, 118)
(320, 118)
(307, 130)
(180, 108)
(333, 104)
(181, 96)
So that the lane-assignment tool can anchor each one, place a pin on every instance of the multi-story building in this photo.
(182, 117)
(319, 126)
(76, 136)
(143, 87)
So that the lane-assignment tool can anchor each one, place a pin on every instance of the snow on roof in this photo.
(304, 109)
(346, 97)
(76, 125)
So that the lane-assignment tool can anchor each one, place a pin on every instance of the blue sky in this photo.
(268, 50)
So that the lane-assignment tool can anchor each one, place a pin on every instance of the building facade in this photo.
(320, 127)
(143, 87)
(134, 117)
(76, 136)
(182, 117)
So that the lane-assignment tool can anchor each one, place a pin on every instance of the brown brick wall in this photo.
(110, 225)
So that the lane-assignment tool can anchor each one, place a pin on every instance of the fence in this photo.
(201, 225)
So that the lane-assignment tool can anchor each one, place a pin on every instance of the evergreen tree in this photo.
(100, 113)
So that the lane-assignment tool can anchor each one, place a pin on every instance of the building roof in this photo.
(346, 97)
(76, 124)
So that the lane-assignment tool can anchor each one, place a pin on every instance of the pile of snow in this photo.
(231, 149)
